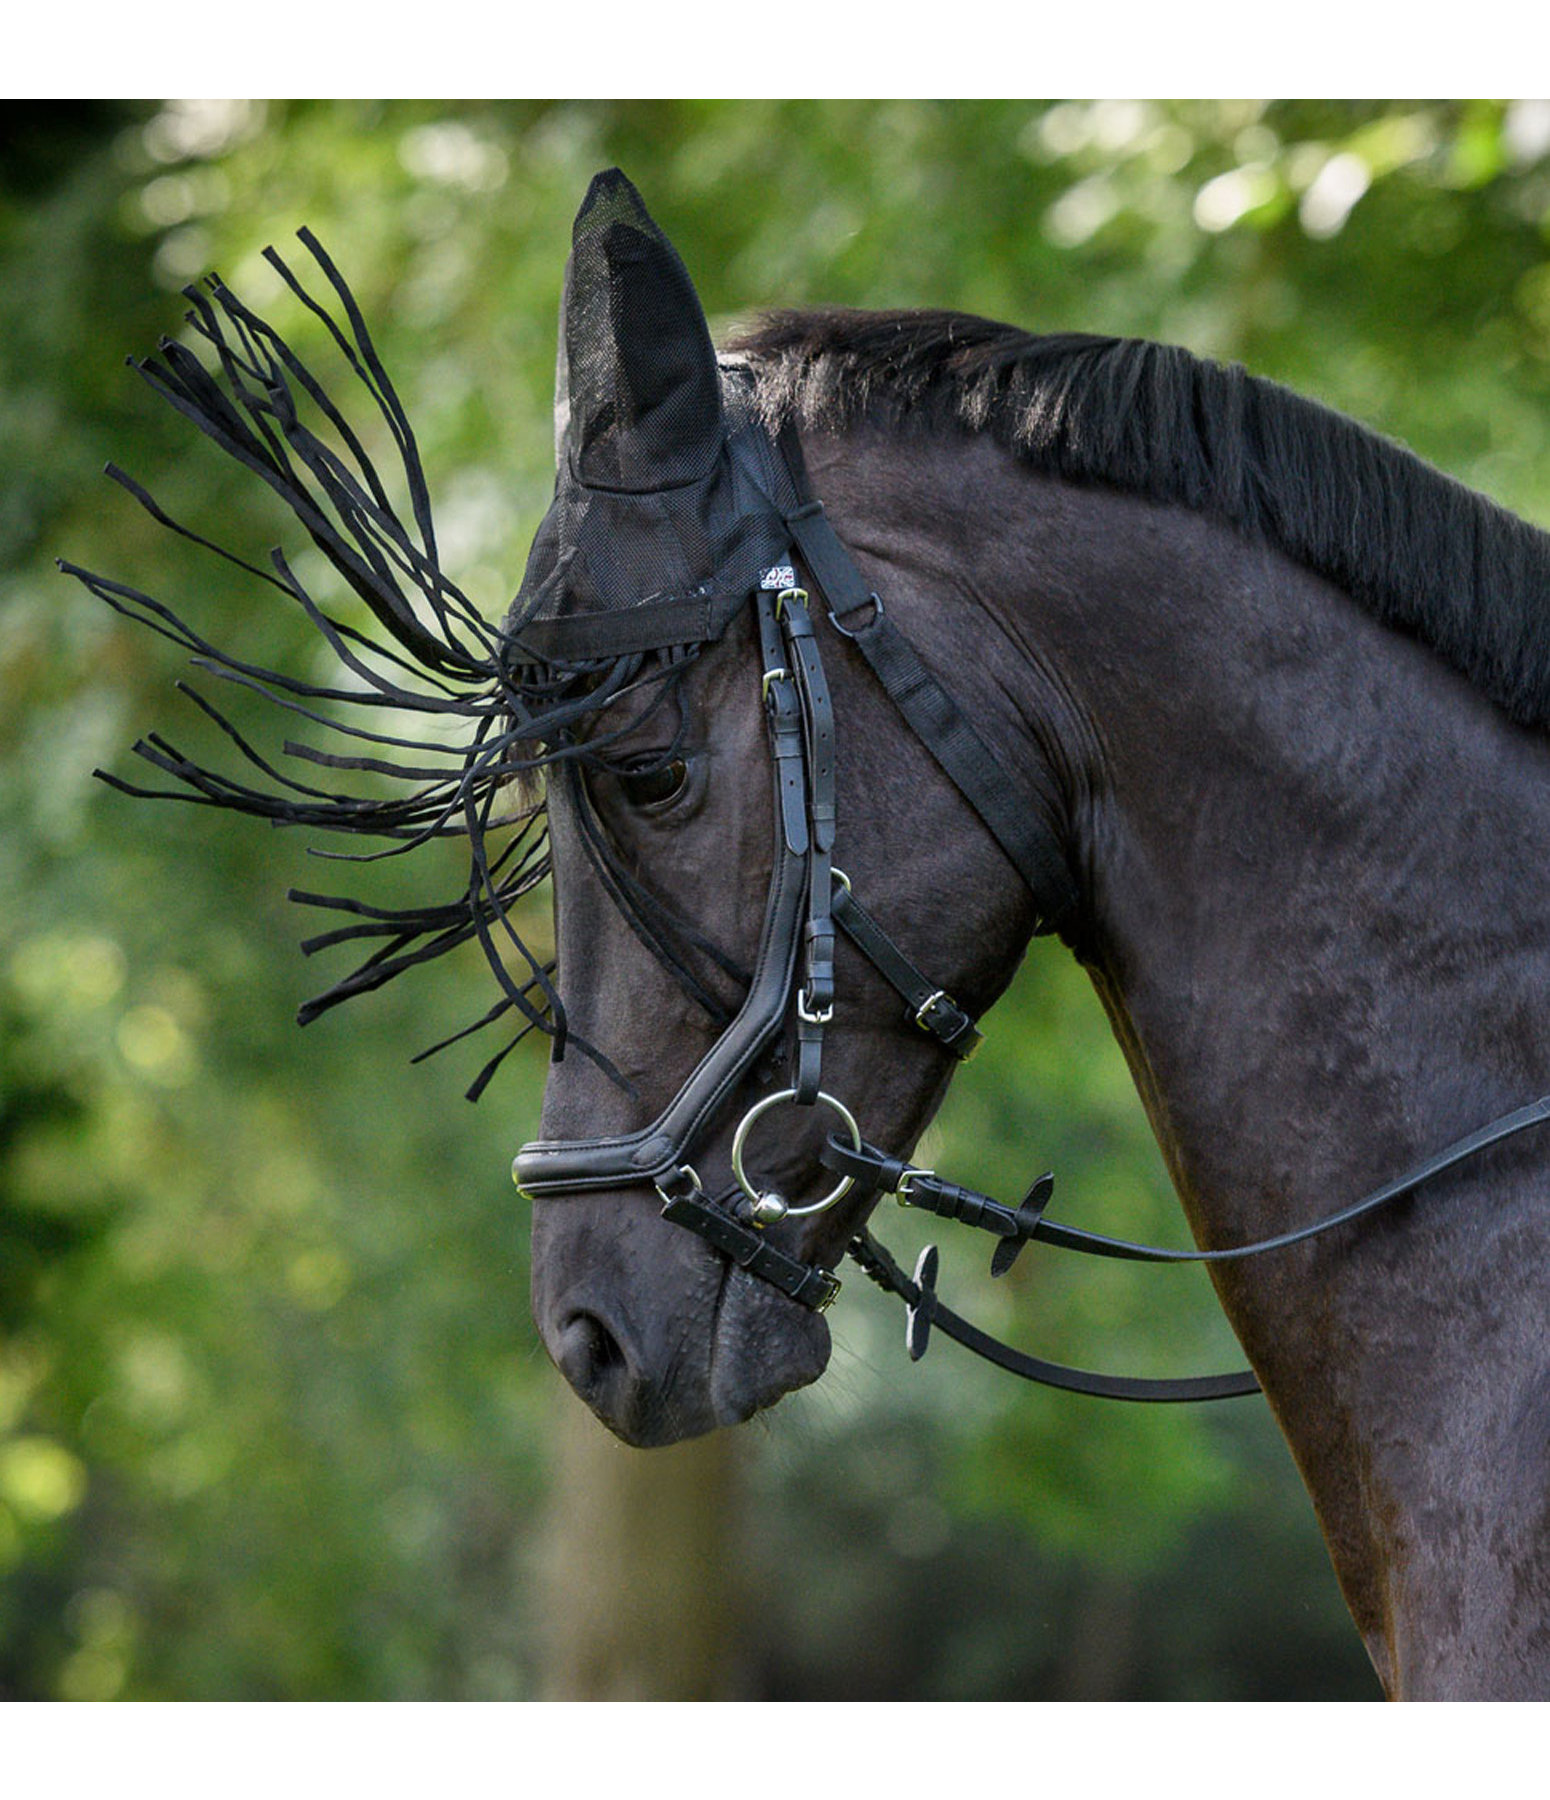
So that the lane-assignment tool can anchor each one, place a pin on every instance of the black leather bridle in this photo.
(808, 901)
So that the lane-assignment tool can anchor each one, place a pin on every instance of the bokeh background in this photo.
(274, 1421)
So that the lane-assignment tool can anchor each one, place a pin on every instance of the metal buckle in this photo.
(811, 1016)
(771, 676)
(907, 1180)
(790, 593)
(684, 1181)
(926, 1005)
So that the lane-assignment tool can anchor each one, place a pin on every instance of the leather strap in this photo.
(783, 716)
(926, 1311)
(874, 1171)
(928, 1006)
(749, 1247)
(1508, 1125)
(815, 998)
(1022, 824)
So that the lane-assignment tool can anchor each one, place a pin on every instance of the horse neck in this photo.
(1317, 919)
(1312, 914)
(1322, 940)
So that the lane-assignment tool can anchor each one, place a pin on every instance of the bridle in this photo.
(793, 977)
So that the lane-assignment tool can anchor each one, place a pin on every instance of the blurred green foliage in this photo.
(273, 1417)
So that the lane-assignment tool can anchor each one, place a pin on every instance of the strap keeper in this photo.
(871, 1170)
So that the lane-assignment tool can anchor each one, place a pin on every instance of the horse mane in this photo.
(1416, 548)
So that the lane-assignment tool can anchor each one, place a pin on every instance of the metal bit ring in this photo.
(760, 1107)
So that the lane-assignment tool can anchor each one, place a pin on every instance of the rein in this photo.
(808, 900)
(922, 1188)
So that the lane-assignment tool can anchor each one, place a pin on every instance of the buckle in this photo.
(903, 1186)
(813, 1015)
(680, 1184)
(925, 1006)
(949, 1024)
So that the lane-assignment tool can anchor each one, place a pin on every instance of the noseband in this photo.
(809, 899)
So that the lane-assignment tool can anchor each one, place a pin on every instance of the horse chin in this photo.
(765, 1346)
(757, 1347)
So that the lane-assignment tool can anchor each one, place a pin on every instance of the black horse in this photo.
(1069, 634)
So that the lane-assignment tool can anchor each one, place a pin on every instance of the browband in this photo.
(608, 633)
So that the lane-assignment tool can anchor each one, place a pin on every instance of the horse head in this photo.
(704, 813)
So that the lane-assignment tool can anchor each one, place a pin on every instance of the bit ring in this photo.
(757, 1110)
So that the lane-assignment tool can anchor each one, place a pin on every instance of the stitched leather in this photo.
(927, 1005)
(805, 1283)
(1024, 831)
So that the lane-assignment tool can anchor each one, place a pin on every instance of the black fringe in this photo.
(434, 657)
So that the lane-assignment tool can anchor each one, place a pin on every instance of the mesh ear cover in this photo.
(649, 502)
(638, 377)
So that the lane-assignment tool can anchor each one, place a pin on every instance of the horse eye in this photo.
(655, 786)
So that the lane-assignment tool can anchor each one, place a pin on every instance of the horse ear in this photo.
(637, 393)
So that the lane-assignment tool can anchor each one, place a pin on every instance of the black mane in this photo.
(1417, 549)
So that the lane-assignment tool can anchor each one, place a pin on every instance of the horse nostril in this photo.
(629, 1385)
(589, 1355)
